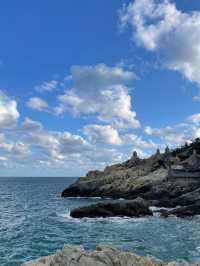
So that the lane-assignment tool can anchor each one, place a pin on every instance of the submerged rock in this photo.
(129, 208)
(102, 256)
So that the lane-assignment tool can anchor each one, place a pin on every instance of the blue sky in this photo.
(84, 83)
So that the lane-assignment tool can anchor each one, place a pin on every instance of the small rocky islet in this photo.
(167, 180)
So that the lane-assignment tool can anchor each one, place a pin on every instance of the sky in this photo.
(85, 83)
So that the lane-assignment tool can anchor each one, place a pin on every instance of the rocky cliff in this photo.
(118, 180)
(147, 178)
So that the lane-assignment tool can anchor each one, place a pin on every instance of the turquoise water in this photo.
(35, 221)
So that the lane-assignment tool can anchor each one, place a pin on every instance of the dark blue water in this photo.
(35, 221)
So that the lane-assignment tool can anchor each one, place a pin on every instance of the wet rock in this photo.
(129, 208)
(184, 211)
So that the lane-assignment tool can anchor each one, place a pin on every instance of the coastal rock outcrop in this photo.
(102, 256)
(129, 208)
(166, 179)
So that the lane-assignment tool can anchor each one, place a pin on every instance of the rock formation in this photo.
(162, 179)
(129, 208)
(102, 256)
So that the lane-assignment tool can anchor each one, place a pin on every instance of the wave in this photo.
(157, 209)
(78, 197)
(66, 216)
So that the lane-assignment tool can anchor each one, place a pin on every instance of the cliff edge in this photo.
(164, 179)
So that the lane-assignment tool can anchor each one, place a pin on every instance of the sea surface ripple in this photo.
(35, 221)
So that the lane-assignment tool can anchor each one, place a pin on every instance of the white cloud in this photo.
(138, 142)
(101, 157)
(193, 125)
(104, 134)
(31, 125)
(53, 146)
(172, 136)
(8, 111)
(100, 90)
(42, 139)
(196, 132)
(4, 145)
(99, 76)
(195, 119)
(28, 145)
(20, 149)
(197, 97)
(47, 86)
(37, 104)
(72, 143)
(160, 27)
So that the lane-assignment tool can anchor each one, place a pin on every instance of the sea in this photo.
(35, 221)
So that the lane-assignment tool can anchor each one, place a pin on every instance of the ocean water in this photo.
(35, 221)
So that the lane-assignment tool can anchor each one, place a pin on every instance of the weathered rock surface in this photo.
(129, 208)
(117, 180)
(147, 178)
(184, 211)
(102, 256)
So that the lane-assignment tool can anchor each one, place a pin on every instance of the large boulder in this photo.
(102, 256)
(129, 208)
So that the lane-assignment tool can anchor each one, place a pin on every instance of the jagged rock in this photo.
(129, 208)
(188, 198)
(146, 178)
(168, 193)
(102, 256)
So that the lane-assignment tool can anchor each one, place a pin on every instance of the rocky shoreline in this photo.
(170, 179)
(102, 256)
(165, 180)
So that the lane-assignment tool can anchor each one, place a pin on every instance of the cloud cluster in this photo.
(195, 118)
(179, 134)
(29, 144)
(36, 103)
(8, 111)
(160, 27)
(100, 90)
(47, 86)
(103, 134)
(103, 93)
(171, 136)
(139, 143)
